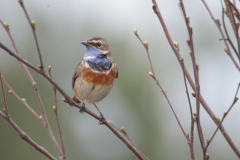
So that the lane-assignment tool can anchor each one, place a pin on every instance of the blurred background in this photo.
(135, 101)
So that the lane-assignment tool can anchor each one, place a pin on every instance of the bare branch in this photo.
(224, 116)
(33, 26)
(72, 102)
(152, 74)
(4, 98)
(191, 114)
(26, 138)
(202, 101)
(22, 100)
(123, 130)
(55, 109)
(217, 22)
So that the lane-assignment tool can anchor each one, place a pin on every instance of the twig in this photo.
(32, 24)
(224, 116)
(231, 18)
(26, 138)
(55, 109)
(123, 130)
(191, 114)
(199, 127)
(217, 22)
(196, 75)
(4, 98)
(202, 101)
(22, 100)
(233, 23)
(44, 117)
(7, 29)
(152, 74)
(45, 120)
(69, 100)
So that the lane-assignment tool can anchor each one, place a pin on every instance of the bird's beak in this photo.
(85, 43)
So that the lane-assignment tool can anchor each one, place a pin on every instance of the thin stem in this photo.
(45, 120)
(46, 123)
(26, 138)
(22, 100)
(226, 32)
(123, 130)
(152, 74)
(72, 102)
(217, 22)
(32, 24)
(3, 95)
(7, 29)
(203, 102)
(231, 17)
(196, 75)
(55, 109)
(224, 116)
(199, 127)
(191, 114)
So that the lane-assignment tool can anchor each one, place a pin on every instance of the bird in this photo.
(94, 76)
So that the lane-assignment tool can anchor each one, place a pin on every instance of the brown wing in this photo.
(77, 73)
(115, 70)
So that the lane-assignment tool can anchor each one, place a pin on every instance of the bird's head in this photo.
(97, 48)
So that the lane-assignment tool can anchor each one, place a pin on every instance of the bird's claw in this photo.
(82, 109)
(101, 120)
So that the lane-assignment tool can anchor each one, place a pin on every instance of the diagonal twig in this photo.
(44, 117)
(32, 24)
(72, 102)
(202, 101)
(152, 74)
(26, 138)
(217, 22)
(224, 116)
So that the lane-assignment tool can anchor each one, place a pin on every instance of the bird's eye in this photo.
(99, 44)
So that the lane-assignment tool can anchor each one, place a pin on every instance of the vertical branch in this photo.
(229, 12)
(199, 127)
(191, 114)
(203, 102)
(4, 98)
(33, 24)
(217, 22)
(196, 75)
(55, 109)
(45, 119)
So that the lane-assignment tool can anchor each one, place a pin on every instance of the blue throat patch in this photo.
(97, 60)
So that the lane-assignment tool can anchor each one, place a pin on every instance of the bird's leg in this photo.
(82, 109)
(102, 119)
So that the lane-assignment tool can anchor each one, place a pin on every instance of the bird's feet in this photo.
(82, 109)
(102, 119)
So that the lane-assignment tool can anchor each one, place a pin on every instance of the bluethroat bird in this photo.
(94, 76)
